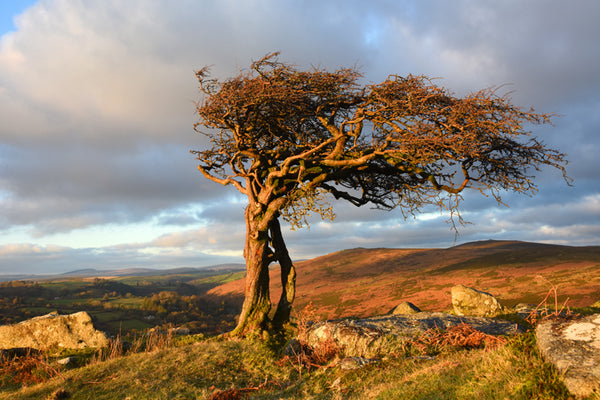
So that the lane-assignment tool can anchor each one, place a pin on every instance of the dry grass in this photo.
(543, 310)
(228, 369)
(26, 369)
(460, 336)
(303, 356)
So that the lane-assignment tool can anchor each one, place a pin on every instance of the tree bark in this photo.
(257, 304)
(288, 277)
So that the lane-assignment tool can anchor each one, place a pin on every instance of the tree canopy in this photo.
(286, 137)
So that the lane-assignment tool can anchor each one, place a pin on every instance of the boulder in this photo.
(74, 331)
(467, 301)
(376, 336)
(405, 308)
(573, 346)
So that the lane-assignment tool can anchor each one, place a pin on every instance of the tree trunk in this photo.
(257, 304)
(288, 277)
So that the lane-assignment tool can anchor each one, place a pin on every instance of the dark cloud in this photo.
(97, 108)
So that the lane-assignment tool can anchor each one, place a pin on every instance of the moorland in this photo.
(350, 283)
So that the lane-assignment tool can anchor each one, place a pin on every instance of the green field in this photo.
(126, 304)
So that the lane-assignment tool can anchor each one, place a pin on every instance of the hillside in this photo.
(364, 282)
(357, 282)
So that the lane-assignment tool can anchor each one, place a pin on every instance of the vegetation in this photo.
(431, 368)
(365, 282)
(129, 304)
(157, 363)
(287, 139)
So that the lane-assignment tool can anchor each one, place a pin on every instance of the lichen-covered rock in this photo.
(376, 336)
(405, 307)
(573, 346)
(73, 331)
(471, 302)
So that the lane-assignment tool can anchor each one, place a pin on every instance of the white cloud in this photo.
(97, 107)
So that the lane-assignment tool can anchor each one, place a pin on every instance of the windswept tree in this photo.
(290, 139)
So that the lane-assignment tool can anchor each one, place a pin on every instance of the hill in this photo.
(127, 272)
(364, 282)
(356, 282)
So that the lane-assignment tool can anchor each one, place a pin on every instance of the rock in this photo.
(293, 348)
(74, 331)
(180, 331)
(524, 307)
(471, 302)
(405, 308)
(372, 337)
(66, 360)
(356, 362)
(573, 346)
(525, 310)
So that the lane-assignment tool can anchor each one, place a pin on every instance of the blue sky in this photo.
(97, 112)
(8, 10)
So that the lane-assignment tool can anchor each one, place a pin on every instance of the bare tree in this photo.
(286, 138)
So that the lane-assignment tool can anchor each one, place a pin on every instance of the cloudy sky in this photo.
(97, 108)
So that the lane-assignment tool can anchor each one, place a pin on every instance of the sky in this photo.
(97, 107)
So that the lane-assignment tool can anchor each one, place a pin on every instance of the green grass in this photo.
(220, 279)
(70, 284)
(195, 370)
(128, 302)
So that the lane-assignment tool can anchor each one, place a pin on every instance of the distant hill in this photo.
(362, 282)
(92, 273)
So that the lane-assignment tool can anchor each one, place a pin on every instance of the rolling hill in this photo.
(363, 282)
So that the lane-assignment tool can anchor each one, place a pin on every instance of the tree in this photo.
(289, 139)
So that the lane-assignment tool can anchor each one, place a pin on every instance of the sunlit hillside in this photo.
(364, 282)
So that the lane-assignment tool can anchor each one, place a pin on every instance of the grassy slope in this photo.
(194, 371)
(366, 282)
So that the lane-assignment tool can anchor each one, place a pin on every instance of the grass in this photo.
(204, 367)
(195, 367)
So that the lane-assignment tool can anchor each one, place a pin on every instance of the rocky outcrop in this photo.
(573, 346)
(471, 302)
(405, 308)
(74, 331)
(371, 337)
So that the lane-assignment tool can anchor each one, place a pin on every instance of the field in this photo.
(129, 304)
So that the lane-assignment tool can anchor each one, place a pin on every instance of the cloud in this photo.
(97, 104)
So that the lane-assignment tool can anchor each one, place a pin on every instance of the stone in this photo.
(349, 363)
(467, 301)
(180, 331)
(376, 336)
(73, 331)
(293, 348)
(405, 307)
(525, 308)
(66, 360)
(573, 346)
